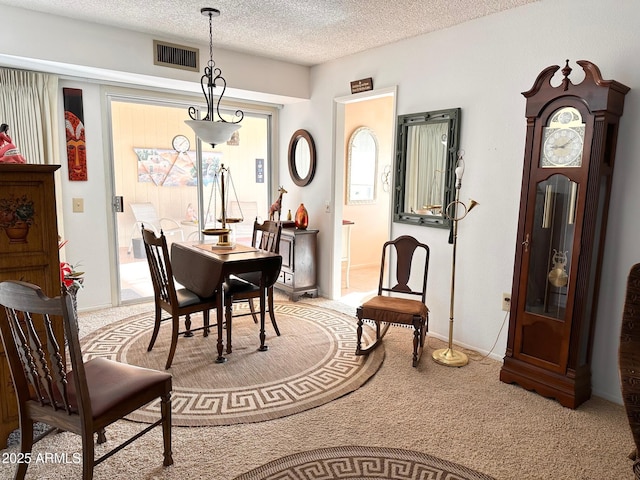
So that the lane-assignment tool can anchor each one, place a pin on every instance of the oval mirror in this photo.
(362, 164)
(425, 161)
(302, 158)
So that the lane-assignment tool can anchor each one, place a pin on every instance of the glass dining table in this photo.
(203, 268)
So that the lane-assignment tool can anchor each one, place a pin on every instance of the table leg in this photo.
(228, 314)
(262, 347)
(220, 314)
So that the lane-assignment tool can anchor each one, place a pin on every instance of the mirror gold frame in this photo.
(302, 158)
(425, 167)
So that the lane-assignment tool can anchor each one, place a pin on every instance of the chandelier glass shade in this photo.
(213, 132)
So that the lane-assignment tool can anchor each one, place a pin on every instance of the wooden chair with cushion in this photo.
(178, 303)
(246, 286)
(65, 392)
(629, 360)
(391, 305)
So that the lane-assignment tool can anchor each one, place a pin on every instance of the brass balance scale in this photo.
(223, 182)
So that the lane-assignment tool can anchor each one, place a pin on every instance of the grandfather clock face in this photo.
(563, 139)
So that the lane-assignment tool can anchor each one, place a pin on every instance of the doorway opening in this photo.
(363, 195)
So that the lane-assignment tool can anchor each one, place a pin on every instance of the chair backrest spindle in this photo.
(40, 362)
(24, 348)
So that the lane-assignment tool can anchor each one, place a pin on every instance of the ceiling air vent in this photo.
(175, 56)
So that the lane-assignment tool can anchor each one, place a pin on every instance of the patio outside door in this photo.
(155, 171)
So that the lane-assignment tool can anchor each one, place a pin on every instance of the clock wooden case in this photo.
(570, 150)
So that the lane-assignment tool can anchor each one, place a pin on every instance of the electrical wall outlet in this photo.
(506, 302)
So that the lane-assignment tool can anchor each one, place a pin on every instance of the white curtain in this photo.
(28, 104)
(426, 164)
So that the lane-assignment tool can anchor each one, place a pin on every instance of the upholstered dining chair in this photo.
(246, 286)
(266, 236)
(629, 360)
(391, 305)
(67, 393)
(176, 302)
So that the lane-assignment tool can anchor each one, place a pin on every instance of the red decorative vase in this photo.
(302, 217)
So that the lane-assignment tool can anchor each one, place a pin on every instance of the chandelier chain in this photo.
(211, 62)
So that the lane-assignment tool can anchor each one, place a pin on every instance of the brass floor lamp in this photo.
(448, 356)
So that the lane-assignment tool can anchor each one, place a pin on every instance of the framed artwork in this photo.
(169, 168)
(75, 133)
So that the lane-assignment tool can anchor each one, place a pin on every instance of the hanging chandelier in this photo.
(210, 130)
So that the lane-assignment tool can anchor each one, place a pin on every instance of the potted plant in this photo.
(16, 216)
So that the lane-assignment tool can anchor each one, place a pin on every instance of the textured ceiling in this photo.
(306, 32)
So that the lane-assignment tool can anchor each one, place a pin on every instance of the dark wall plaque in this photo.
(362, 85)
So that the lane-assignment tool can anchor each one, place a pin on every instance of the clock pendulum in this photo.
(558, 276)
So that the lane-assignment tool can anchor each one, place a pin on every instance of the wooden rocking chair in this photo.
(394, 307)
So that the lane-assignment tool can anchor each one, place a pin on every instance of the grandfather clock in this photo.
(568, 165)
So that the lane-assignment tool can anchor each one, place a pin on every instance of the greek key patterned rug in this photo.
(362, 463)
(310, 364)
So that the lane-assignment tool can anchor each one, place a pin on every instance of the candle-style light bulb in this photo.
(460, 169)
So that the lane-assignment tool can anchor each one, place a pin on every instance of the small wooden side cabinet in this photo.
(28, 252)
(298, 273)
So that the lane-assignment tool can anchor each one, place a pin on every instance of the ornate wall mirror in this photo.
(362, 162)
(302, 158)
(426, 149)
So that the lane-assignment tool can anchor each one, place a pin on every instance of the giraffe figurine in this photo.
(277, 205)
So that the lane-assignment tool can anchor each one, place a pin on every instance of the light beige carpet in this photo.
(462, 415)
(311, 363)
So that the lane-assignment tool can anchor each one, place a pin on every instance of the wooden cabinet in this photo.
(569, 156)
(28, 252)
(298, 272)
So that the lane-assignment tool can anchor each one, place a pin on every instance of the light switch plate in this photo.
(78, 205)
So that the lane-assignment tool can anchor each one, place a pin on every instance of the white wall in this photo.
(90, 241)
(483, 66)
(480, 66)
(61, 44)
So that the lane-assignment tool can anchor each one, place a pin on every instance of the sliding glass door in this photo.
(155, 172)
